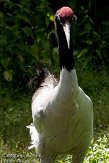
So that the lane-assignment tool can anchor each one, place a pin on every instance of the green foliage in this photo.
(23, 38)
(99, 151)
(25, 43)
(89, 43)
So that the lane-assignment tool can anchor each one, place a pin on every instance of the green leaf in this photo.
(83, 52)
(98, 52)
(8, 75)
(4, 62)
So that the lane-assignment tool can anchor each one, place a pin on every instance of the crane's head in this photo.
(65, 14)
(64, 17)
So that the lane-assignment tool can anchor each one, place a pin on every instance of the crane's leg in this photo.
(80, 151)
(47, 159)
(79, 154)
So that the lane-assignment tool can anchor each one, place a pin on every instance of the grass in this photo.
(15, 115)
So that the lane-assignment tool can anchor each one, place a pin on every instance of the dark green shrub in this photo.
(23, 38)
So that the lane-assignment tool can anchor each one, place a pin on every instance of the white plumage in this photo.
(62, 117)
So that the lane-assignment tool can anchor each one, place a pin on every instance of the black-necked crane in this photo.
(62, 113)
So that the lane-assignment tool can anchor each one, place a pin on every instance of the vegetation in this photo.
(28, 43)
(15, 115)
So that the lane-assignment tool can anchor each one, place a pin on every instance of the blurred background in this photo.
(27, 44)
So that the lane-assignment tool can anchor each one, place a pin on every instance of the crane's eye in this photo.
(62, 20)
(57, 17)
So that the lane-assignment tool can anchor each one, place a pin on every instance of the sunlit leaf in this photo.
(8, 75)
(82, 52)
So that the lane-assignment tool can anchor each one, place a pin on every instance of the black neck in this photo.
(65, 53)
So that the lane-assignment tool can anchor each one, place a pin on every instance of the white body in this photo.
(62, 118)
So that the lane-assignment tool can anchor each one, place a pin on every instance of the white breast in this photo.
(62, 117)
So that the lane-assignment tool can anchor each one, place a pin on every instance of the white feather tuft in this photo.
(34, 136)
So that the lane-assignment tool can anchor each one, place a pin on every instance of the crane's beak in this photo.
(66, 28)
